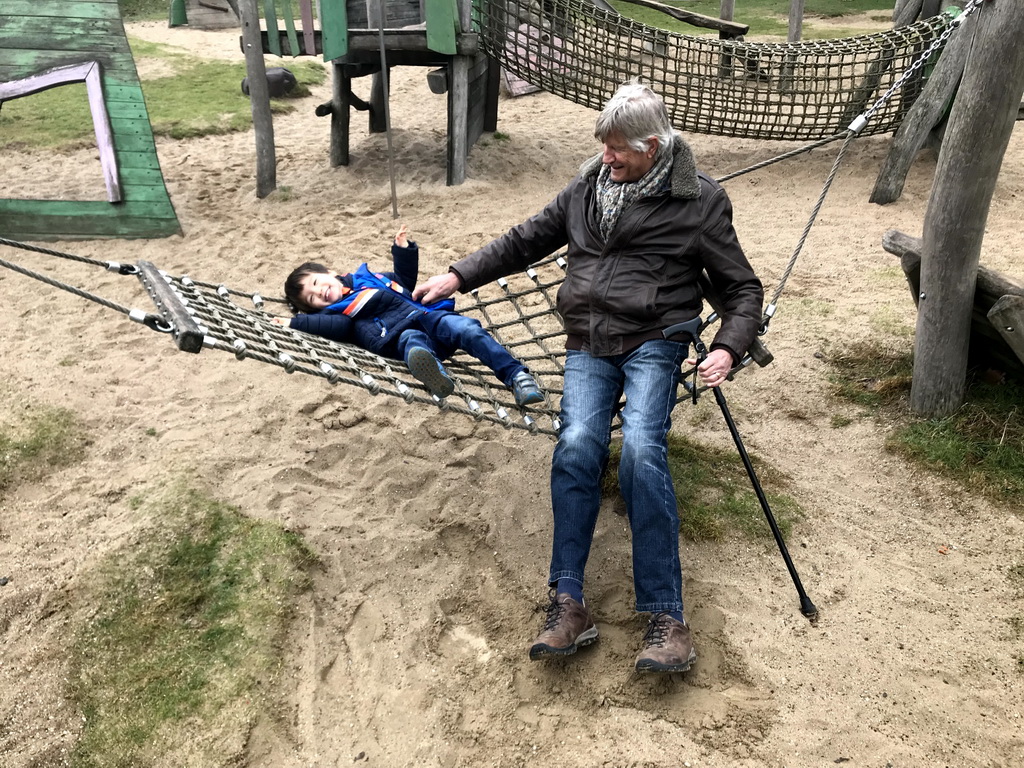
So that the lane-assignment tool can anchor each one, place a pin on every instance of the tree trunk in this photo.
(259, 99)
(979, 129)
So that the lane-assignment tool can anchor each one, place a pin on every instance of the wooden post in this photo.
(259, 99)
(341, 117)
(926, 112)
(979, 130)
(725, 13)
(906, 12)
(458, 112)
(796, 20)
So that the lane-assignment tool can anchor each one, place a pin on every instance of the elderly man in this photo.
(640, 224)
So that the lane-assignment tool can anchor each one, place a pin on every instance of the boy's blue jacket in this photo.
(379, 307)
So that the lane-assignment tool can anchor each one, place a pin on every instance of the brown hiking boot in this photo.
(567, 627)
(668, 646)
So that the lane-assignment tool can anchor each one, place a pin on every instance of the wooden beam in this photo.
(1007, 317)
(927, 111)
(696, 19)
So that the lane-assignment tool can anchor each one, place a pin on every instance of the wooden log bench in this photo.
(997, 322)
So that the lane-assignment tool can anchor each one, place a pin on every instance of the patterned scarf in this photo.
(614, 197)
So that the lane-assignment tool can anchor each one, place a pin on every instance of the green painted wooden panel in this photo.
(442, 22)
(270, 14)
(70, 9)
(36, 35)
(16, 64)
(127, 159)
(289, 25)
(88, 225)
(127, 142)
(35, 26)
(334, 29)
(63, 41)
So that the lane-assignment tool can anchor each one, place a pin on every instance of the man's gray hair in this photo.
(639, 114)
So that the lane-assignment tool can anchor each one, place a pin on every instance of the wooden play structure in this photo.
(437, 34)
(47, 44)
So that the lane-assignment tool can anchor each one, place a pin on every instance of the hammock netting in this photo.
(519, 311)
(792, 91)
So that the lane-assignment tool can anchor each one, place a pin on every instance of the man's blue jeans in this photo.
(443, 332)
(649, 378)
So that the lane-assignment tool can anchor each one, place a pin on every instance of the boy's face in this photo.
(321, 289)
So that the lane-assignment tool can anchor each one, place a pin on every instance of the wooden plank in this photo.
(289, 25)
(116, 65)
(98, 9)
(442, 24)
(334, 31)
(986, 348)
(308, 38)
(990, 283)
(87, 208)
(139, 161)
(15, 27)
(127, 110)
(1007, 317)
(270, 16)
(41, 228)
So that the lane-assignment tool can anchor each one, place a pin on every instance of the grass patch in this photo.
(144, 10)
(37, 441)
(185, 98)
(183, 637)
(981, 445)
(765, 17)
(714, 495)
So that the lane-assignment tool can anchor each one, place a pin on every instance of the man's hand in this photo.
(436, 288)
(715, 368)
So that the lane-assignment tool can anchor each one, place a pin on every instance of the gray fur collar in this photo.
(685, 183)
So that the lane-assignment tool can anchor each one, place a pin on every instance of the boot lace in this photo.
(554, 610)
(657, 631)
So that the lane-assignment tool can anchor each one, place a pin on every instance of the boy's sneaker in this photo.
(668, 646)
(525, 389)
(568, 626)
(425, 367)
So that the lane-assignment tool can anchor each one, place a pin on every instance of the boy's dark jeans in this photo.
(444, 332)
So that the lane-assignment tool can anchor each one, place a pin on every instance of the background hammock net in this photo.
(793, 91)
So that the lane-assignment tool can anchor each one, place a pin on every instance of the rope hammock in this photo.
(795, 91)
(519, 311)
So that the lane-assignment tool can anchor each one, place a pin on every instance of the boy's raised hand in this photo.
(400, 239)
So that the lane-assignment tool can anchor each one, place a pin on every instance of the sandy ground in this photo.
(434, 530)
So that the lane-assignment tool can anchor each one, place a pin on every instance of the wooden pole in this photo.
(259, 99)
(926, 113)
(979, 130)
(796, 20)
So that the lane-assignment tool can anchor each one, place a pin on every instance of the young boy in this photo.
(376, 311)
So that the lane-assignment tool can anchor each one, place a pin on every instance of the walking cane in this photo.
(691, 329)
